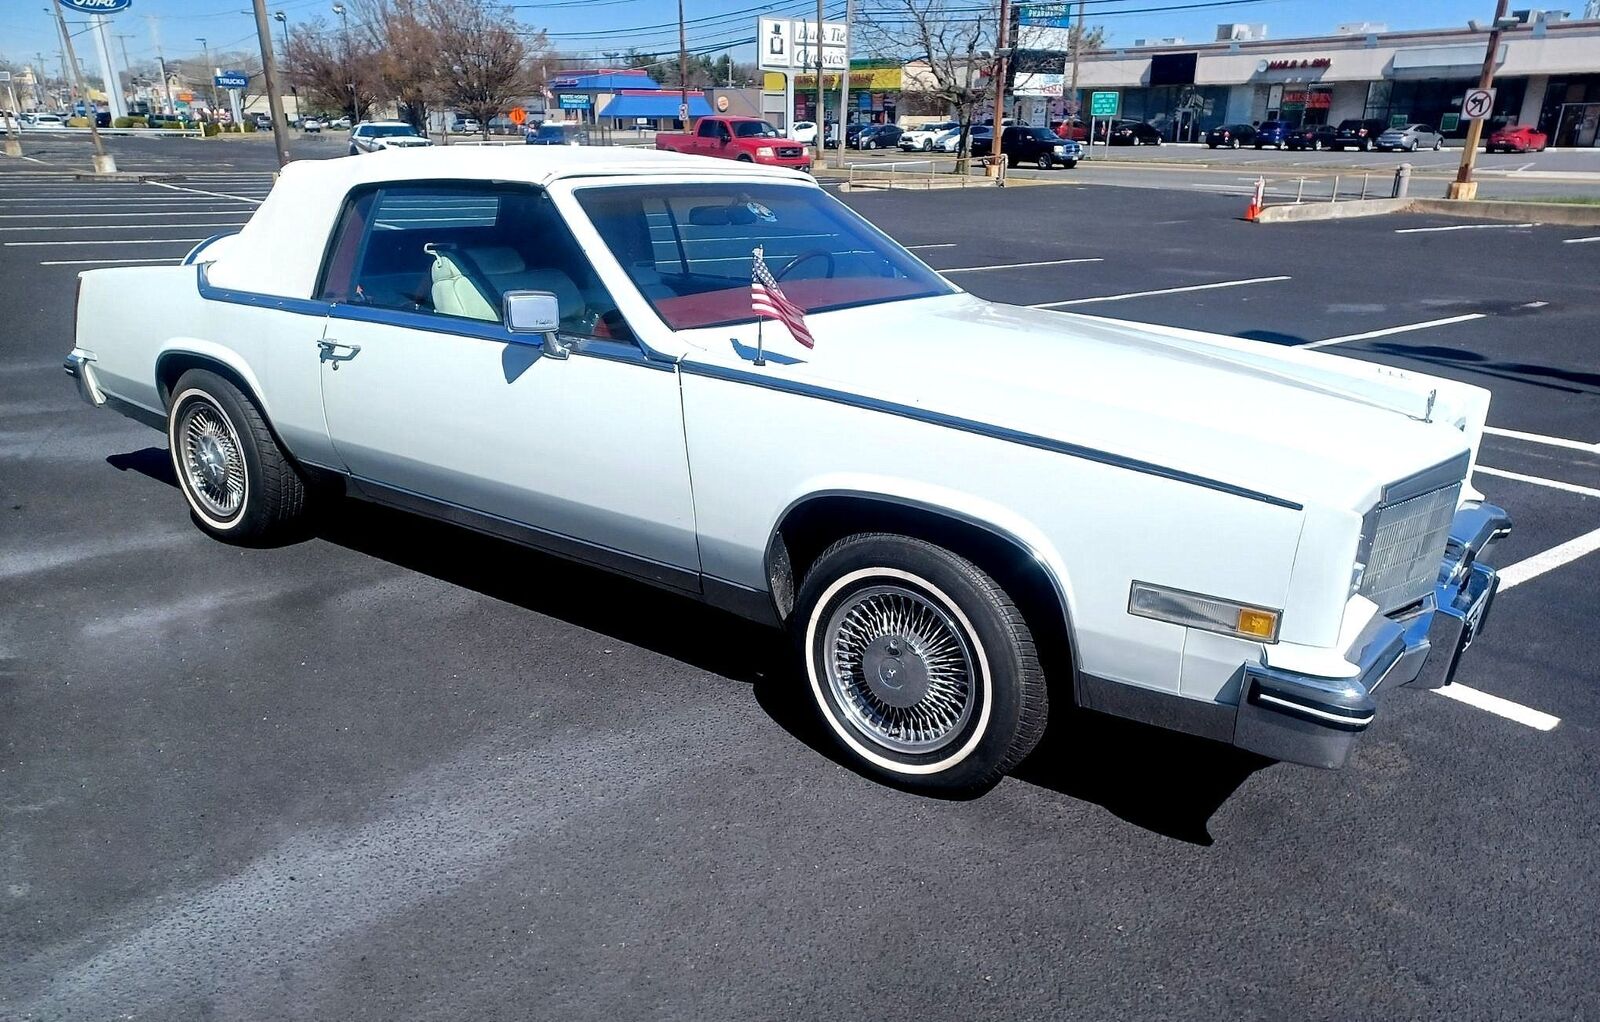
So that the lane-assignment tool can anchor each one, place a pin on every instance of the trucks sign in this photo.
(232, 80)
(96, 6)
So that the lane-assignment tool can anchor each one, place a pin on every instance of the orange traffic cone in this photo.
(1252, 212)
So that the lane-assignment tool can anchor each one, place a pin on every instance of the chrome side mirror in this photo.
(536, 312)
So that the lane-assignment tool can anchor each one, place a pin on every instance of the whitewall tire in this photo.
(921, 666)
(238, 483)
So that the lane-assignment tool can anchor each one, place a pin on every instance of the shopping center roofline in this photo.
(1354, 41)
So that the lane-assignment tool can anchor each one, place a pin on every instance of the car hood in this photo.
(401, 142)
(1307, 427)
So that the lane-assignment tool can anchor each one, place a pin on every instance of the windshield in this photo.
(551, 131)
(688, 249)
(1041, 133)
(755, 129)
(386, 130)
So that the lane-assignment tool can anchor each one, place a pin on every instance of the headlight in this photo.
(766, 152)
(1208, 613)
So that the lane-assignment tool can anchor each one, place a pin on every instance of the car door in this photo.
(432, 403)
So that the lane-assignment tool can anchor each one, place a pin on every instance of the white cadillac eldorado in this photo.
(949, 503)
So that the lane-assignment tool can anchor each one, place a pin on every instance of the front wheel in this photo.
(921, 665)
(1438, 144)
(1045, 163)
(1235, 143)
(239, 484)
(927, 145)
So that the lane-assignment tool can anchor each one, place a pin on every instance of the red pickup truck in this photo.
(749, 139)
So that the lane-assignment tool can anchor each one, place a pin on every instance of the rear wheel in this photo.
(1438, 144)
(239, 484)
(920, 664)
(1235, 143)
(927, 145)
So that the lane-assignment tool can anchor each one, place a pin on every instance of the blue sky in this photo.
(577, 26)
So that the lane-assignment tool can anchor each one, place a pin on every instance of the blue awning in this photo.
(663, 105)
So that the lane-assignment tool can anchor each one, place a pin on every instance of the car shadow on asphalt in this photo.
(1168, 783)
(1164, 781)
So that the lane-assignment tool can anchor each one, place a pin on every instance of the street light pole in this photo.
(104, 163)
(210, 72)
(1463, 187)
(344, 22)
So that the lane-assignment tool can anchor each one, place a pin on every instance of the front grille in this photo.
(789, 152)
(1407, 543)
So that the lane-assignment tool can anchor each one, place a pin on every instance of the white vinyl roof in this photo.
(280, 250)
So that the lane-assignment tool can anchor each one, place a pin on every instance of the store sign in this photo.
(232, 80)
(1295, 65)
(783, 44)
(1308, 100)
(1039, 85)
(572, 102)
(876, 78)
(96, 6)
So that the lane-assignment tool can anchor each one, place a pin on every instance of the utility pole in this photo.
(344, 21)
(1463, 187)
(683, 70)
(104, 163)
(1077, 48)
(996, 157)
(822, 105)
(844, 79)
(269, 78)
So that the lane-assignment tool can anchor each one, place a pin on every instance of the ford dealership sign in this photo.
(97, 6)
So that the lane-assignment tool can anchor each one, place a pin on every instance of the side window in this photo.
(339, 276)
(454, 249)
(707, 129)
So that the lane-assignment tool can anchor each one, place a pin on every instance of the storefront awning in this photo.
(663, 105)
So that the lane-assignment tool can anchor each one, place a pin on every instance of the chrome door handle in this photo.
(333, 351)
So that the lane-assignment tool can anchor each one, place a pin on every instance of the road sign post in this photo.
(1106, 105)
(1477, 105)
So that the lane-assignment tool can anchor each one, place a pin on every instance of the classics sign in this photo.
(96, 6)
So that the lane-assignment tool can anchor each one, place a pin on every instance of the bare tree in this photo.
(331, 70)
(948, 46)
(402, 45)
(481, 63)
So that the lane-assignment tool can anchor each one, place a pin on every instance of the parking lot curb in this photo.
(129, 176)
(1571, 215)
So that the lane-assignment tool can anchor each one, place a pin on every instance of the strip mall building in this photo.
(1547, 74)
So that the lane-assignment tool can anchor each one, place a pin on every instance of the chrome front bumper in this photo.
(1301, 718)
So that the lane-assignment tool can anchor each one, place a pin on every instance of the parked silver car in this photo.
(1410, 138)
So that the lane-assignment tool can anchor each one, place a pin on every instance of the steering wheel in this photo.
(815, 253)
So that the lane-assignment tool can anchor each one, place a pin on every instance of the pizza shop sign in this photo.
(1309, 63)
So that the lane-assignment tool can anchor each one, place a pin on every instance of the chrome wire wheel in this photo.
(900, 668)
(211, 459)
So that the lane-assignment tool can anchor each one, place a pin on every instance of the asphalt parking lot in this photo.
(400, 770)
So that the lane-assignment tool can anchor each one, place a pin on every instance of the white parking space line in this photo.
(1536, 719)
(1532, 567)
(1540, 438)
(122, 227)
(108, 241)
(1554, 484)
(1579, 241)
(918, 248)
(107, 262)
(1020, 266)
(1160, 291)
(234, 210)
(202, 191)
(1386, 331)
(1456, 227)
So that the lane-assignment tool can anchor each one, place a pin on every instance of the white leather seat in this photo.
(454, 294)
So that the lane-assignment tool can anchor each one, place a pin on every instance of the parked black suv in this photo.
(1023, 144)
(1363, 135)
